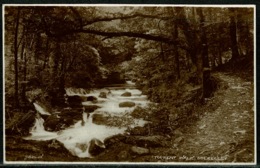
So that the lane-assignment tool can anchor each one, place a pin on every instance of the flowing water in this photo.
(77, 137)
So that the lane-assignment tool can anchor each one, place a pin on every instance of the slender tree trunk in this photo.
(188, 61)
(204, 56)
(46, 54)
(213, 59)
(37, 48)
(62, 76)
(16, 85)
(23, 56)
(56, 61)
(233, 34)
(177, 51)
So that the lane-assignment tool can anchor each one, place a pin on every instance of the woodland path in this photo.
(225, 134)
(223, 131)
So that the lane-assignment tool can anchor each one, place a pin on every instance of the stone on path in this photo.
(139, 150)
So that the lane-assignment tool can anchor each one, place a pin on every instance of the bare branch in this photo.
(129, 34)
(126, 17)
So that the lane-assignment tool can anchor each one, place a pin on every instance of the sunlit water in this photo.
(40, 109)
(77, 137)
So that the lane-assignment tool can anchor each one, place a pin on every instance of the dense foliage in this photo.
(167, 50)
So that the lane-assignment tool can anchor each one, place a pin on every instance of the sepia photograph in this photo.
(129, 84)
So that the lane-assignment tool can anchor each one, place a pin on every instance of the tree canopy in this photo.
(51, 47)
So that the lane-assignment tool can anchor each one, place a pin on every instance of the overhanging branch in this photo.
(158, 38)
(130, 34)
(126, 17)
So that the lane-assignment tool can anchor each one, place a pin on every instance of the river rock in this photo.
(126, 94)
(102, 95)
(96, 147)
(127, 104)
(114, 139)
(83, 147)
(74, 114)
(139, 150)
(52, 123)
(74, 101)
(146, 141)
(91, 98)
(90, 108)
(84, 98)
(56, 123)
(100, 119)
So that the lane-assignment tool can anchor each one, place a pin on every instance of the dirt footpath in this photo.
(225, 134)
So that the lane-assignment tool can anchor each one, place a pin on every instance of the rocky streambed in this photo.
(91, 125)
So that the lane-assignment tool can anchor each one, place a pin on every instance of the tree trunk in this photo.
(23, 55)
(37, 48)
(46, 56)
(16, 85)
(233, 34)
(213, 59)
(176, 51)
(190, 35)
(56, 91)
(204, 56)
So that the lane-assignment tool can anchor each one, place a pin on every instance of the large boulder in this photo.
(92, 98)
(147, 141)
(114, 139)
(52, 123)
(90, 108)
(126, 94)
(102, 95)
(74, 101)
(74, 114)
(57, 123)
(96, 147)
(84, 98)
(127, 104)
(100, 119)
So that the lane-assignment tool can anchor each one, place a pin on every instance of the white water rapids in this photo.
(79, 134)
